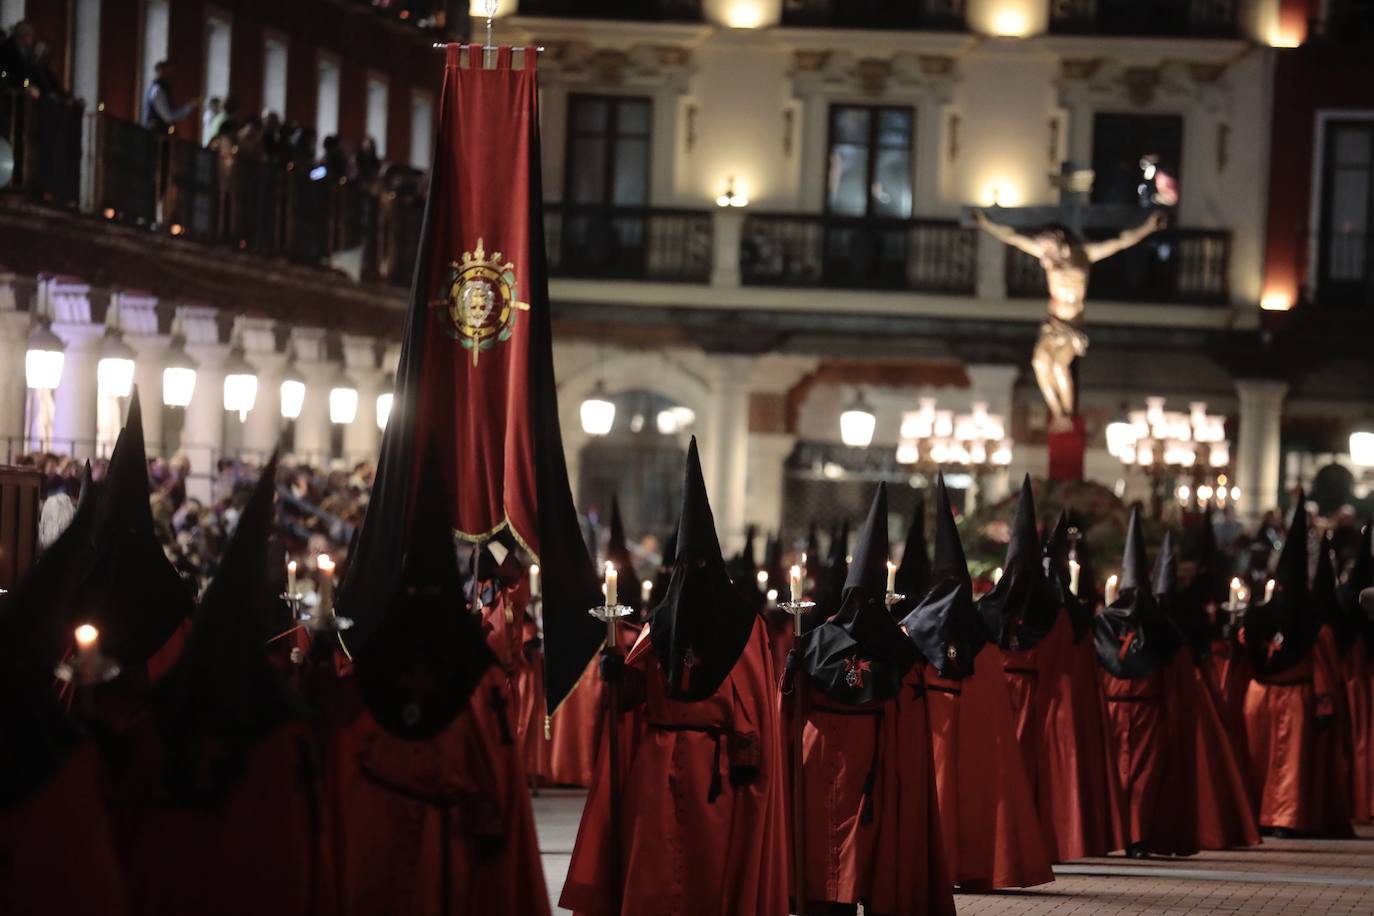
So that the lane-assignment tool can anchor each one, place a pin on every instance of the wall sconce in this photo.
(731, 196)
(1276, 301)
(744, 14)
(1009, 23)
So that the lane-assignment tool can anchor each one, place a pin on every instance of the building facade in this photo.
(757, 213)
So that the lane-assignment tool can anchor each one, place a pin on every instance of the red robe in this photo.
(1078, 795)
(400, 804)
(1225, 819)
(1135, 711)
(1355, 674)
(196, 859)
(508, 634)
(983, 791)
(576, 725)
(1228, 668)
(1298, 778)
(692, 842)
(1022, 671)
(57, 847)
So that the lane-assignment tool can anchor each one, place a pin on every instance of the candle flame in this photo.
(796, 570)
(610, 567)
(324, 563)
(291, 567)
(534, 569)
(762, 577)
(86, 635)
(647, 585)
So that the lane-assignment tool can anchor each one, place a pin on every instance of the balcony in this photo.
(934, 15)
(1175, 266)
(90, 163)
(919, 255)
(641, 10)
(1145, 18)
(597, 242)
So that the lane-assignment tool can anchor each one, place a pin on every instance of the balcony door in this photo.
(1345, 249)
(868, 195)
(606, 185)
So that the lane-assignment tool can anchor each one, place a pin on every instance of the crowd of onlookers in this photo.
(317, 510)
(26, 63)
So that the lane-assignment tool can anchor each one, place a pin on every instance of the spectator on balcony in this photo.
(367, 164)
(209, 118)
(160, 112)
(227, 116)
(335, 160)
(276, 144)
(23, 63)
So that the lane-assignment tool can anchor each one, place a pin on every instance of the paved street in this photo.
(1281, 877)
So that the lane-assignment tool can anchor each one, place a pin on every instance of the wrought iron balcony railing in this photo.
(1177, 265)
(935, 15)
(922, 255)
(1145, 18)
(595, 241)
(116, 169)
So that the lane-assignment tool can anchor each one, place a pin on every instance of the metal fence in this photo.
(629, 243)
(875, 14)
(936, 256)
(1196, 18)
(1177, 265)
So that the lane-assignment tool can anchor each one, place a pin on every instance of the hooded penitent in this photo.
(1278, 633)
(703, 624)
(1352, 624)
(1018, 611)
(433, 807)
(701, 783)
(945, 624)
(861, 654)
(913, 572)
(231, 752)
(1134, 640)
(1059, 550)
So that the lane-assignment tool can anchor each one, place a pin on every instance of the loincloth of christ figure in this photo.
(1066, 259)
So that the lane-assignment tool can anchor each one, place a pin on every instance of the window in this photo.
(1344, 255)
(377, 90)
(326, 99)
(11, 12)
(217, 55)
(155, 14)
(870, 163)
(274, 74)
(421, 128)
(608, 150)
(1121, 143)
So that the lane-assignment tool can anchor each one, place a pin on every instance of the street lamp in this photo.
(343, 402)
(977, 439)
(1165, 443)
(857, 422)
(240, 383)
(597, 412)
(179, 375)
(43, 359)
(114, 374)
(1362, 449)
(292, 393)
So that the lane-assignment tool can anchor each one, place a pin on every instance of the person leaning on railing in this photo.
(24, 63)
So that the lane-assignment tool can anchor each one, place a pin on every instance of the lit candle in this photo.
(534, 580)
(997, 575)
(326, 567)
(87, 638)
(646, 591)
(291, 579)
(1243, 597)
(1237, 590)
(891, 577)
(1269, 590)
(612, 578)
(1111, 591)
(1075, 570)
(794, 583)
(772, 597)
(762, 578)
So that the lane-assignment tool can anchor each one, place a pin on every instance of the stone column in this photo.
(202, 438)
(75, 418)
(312, 427)
(362, 438)
(262, 429)
(14, 334)
(767, 455)
(1258, 445)
(151, 350)
(728, 446)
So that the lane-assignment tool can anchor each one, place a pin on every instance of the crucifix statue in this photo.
(1057, 243)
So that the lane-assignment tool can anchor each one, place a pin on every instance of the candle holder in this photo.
(796, 607)
(316, 624)
(610, 613)
(95, 668)
(894, 598)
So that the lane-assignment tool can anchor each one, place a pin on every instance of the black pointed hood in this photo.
(1187, 616)
(703, 624)
(1132, 636)
(224, 693)
(617, 550)
(1059, 550)
(418, 671)
(1017, 611)
(744, 570)
(130, 590)
(830, 586)
(1278, 633)
(861, 654)
(913, 572)
(1324, 604)
(945, 624)
(1352, 623)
